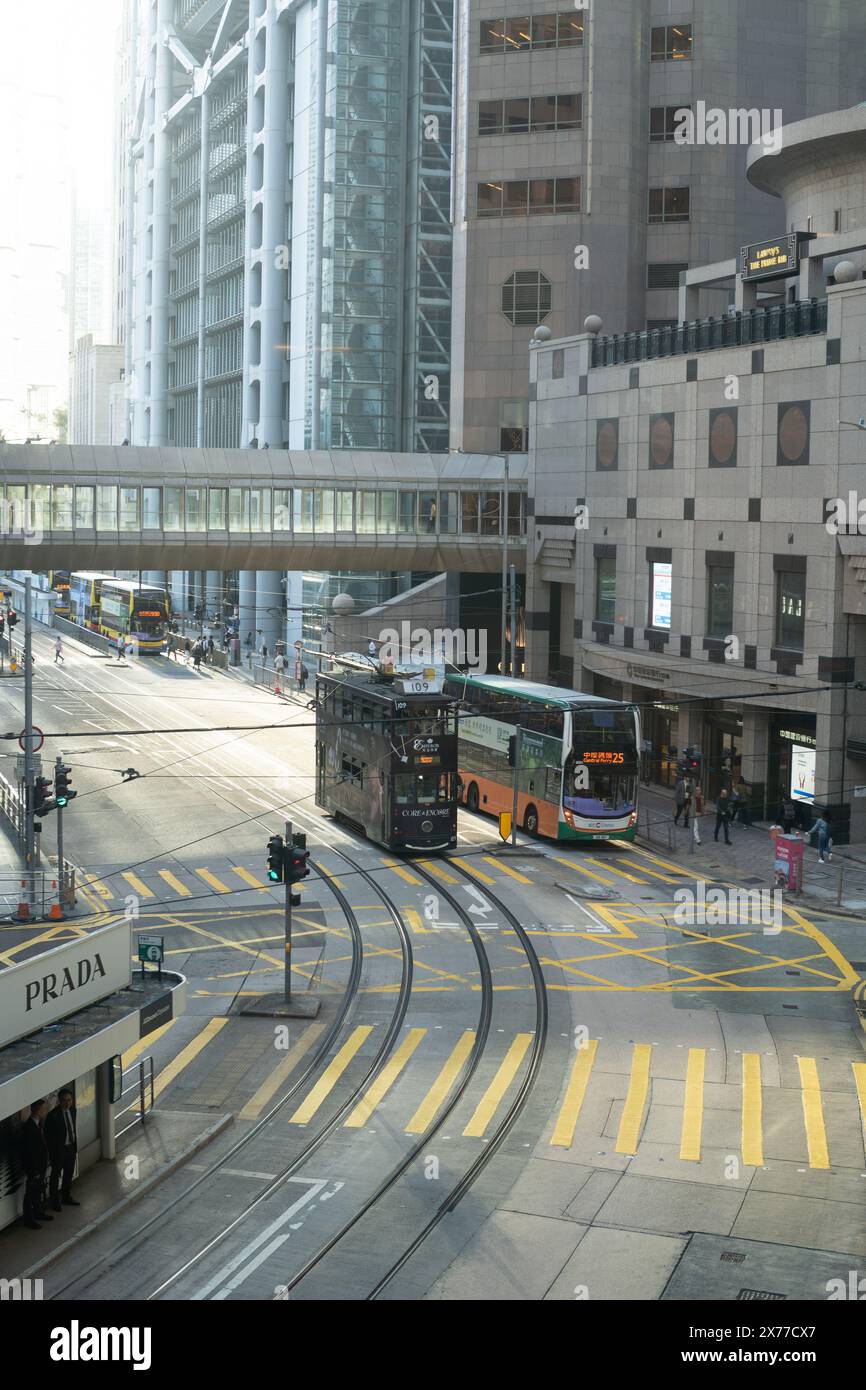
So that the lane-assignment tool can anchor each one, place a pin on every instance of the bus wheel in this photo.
(530, 821)
(472, 797)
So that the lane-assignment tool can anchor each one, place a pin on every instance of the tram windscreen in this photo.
(422, 788)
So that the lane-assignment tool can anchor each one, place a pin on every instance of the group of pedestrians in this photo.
(689, 800)
(49, 1140)
(202, 649)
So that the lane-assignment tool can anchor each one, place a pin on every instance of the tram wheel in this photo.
(472, 797)
(530, 821)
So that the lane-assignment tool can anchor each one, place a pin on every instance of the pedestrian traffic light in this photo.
(63, 793)
(42, 799)
(512, 750)
(296, 858)
(276, 858)
(13, 617)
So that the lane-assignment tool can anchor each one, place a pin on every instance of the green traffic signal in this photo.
(276, 858)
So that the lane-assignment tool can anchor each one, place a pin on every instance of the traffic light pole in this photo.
(29, 781)
(517, 750)
(287, 986)
(58, 763)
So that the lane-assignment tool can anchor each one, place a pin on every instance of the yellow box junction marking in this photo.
(435, 1097)
(438, 872)
(471, 869)
(635, 1101)
(693, 1107)
(505, 869)
(575, 1095)
(175, 884)
(248, 877)
(385, 1080)
(753, 1138)
(326, 1083)
(256, 1104)
(401, 872)
(188, 1054)
(813, 1113)
(137, 884)
(212, 881)
(506, 1071)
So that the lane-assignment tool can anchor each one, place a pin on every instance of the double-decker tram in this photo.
(59, 581)
(85, 596)
(575, 757)
(386, 758)
(139, 612)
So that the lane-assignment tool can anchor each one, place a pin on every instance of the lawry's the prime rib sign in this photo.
(47, 987)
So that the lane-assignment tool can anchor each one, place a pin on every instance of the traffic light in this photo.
(42, 799)
(62, 791)
(13, 617)
(276, 858)
(512, 750)
(296, 858)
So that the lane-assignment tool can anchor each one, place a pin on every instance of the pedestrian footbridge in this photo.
(83, 507)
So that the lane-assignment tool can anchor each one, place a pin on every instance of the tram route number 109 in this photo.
(418, 686)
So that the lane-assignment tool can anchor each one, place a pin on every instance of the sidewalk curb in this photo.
(221, 1123)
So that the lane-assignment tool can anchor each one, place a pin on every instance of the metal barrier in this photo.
(14, 889)
(84, 635)
(142, 1084)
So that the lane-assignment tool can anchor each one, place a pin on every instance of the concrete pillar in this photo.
(105, 1114)
(214, 586)
(745, 295)
(688, 303)
(247, 606)
(197, 577)
(537, 631)
(158, 309)
(756, 746)
(269, 609)
(177, 585)
(690, 730)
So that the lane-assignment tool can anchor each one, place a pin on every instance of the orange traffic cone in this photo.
(23, 913)
(55, 912)
(277, 690)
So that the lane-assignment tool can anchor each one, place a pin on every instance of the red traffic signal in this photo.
(297, 866)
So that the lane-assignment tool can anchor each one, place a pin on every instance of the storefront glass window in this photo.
(720, 600)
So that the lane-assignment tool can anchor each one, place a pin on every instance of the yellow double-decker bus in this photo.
(138, 612)
(85, 594)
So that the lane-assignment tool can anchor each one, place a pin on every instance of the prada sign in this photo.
(47, 987)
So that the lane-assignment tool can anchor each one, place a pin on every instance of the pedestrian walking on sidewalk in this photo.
(305, 676)
(682, 801)
(698, 812)
(210, 650)
(58, 652)
(723, 815)
(825, 842)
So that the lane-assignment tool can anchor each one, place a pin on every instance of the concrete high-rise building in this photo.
(285, 241)
(95, 385)
(571, 193)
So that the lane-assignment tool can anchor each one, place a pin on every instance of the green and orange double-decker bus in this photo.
(577, 757)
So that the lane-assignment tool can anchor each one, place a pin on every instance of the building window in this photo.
(522, 115)
(669, 204)
(606, 446)
(790, 609)
(664, 121)
(558, 365)
(605, 590)
(722, 442)
(653, 324)
(671, 41)
(793, 433)
(526, 298)
(720, 600)
(557, 30)
(661, 440)
(520, 197)
(665, 275)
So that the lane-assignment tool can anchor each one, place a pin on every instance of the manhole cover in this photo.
(731, 1257)
(747, 1294)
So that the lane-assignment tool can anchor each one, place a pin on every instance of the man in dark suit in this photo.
(34, 1159)
(62, 1138)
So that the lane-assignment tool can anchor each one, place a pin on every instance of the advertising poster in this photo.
(661, 595)
(802, 773)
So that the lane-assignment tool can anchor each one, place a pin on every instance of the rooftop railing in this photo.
(754, 327)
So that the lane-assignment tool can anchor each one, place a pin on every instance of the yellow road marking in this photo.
(401, 872)
(135, 882)
(578, 869)
(664, 863)
(188, 1054)
(753, 1141)
(505, 869)
(337, 882)
(175, 883)
(693, 1108)
(413, 917)
(813, 1113)
(859, 1069)
(329, 1078)
(632, 1114)
(574, 1095)
(620, 873)
(101, 888)
(469, 869)
(438, 871)
(385, 1080)
(665, 878)
(213, 882)
(489, 1102)
(248, 877)
(426, 1112)
(145, 1043)
(256, 1104)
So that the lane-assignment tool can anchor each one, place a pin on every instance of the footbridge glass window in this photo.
(106, 508)
(490, 509)
(387, 513)
(195, 508)
(40, 496)
(84, 507)
(150, 509)
(260, 509)
(129, 509)
(406, 512)
(61, 507)
(304, 502)
(469, 506)
(239, 509)
(427, 511)
(345, 510)
(173, 508)
(217, 507)
(282, 509)
(366, 513)
(448, 512)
